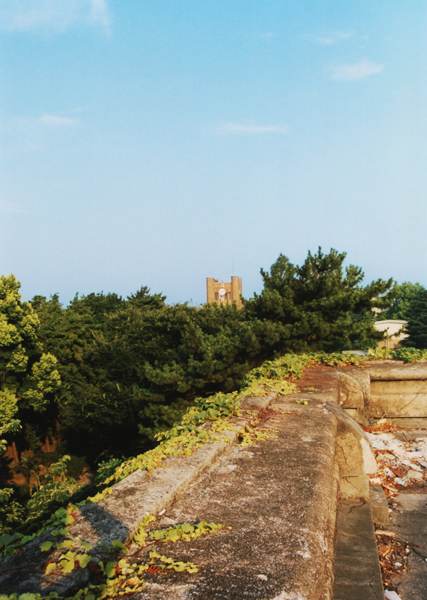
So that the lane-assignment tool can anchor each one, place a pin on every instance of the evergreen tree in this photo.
(416, 315)
(318, 306)
(404, 295)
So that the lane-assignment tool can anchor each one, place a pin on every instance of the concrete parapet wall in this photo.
(387, 389)
(396, 371)
(407, 398)
(397, 390)
(279, 496)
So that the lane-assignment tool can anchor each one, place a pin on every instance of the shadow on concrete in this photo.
(24, 572)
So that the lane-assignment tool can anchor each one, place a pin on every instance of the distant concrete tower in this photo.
(224, 293)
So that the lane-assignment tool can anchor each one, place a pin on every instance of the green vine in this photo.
(11, 543)
(408, 355)
(125, 575)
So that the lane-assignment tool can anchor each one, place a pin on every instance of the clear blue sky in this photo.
(160, 142)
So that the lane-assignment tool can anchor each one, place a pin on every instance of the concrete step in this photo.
(357, 567)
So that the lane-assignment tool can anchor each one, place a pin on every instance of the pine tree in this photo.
(416, 315)
(319, 306)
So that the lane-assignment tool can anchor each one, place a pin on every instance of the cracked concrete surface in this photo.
(357, 571)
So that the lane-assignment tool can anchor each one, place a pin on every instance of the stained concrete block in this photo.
(409, 423)
(354, 487)
(251, 402)
(397, 371)
(354, 388)
(280, 500)
(379, 505)
(412, 502)
(409, 522)
(405, 398)
(358, 415)
(357, 569)
(353, 451)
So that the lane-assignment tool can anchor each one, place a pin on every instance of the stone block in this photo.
(354, 487)
(412, 503)
(353, 451)
(395, 370)
(357, 568)
(379, 505)
(393, 398)
(409, 423)
(354, 388)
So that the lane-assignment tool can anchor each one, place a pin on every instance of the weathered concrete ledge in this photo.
(118, 515)
(357, 569)
(279, 496)
(394, 370)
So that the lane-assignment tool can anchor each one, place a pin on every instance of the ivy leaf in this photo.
(173, 535)
(6, 539)
(213, 413)
(63, 531)
(110, 569)
(119, 546)
(139, 538)
(123, 564)
(46, 546)
(50, 567)
(61, 513)
(25, 539)
(84, 560)
(67, 565)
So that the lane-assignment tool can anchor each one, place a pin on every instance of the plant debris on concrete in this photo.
(402, 467)
(393, 555)
(401, 462)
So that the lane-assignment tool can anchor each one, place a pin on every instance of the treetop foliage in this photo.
(28, 376)
(319, 306)
(405, 293)
(416, 316)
